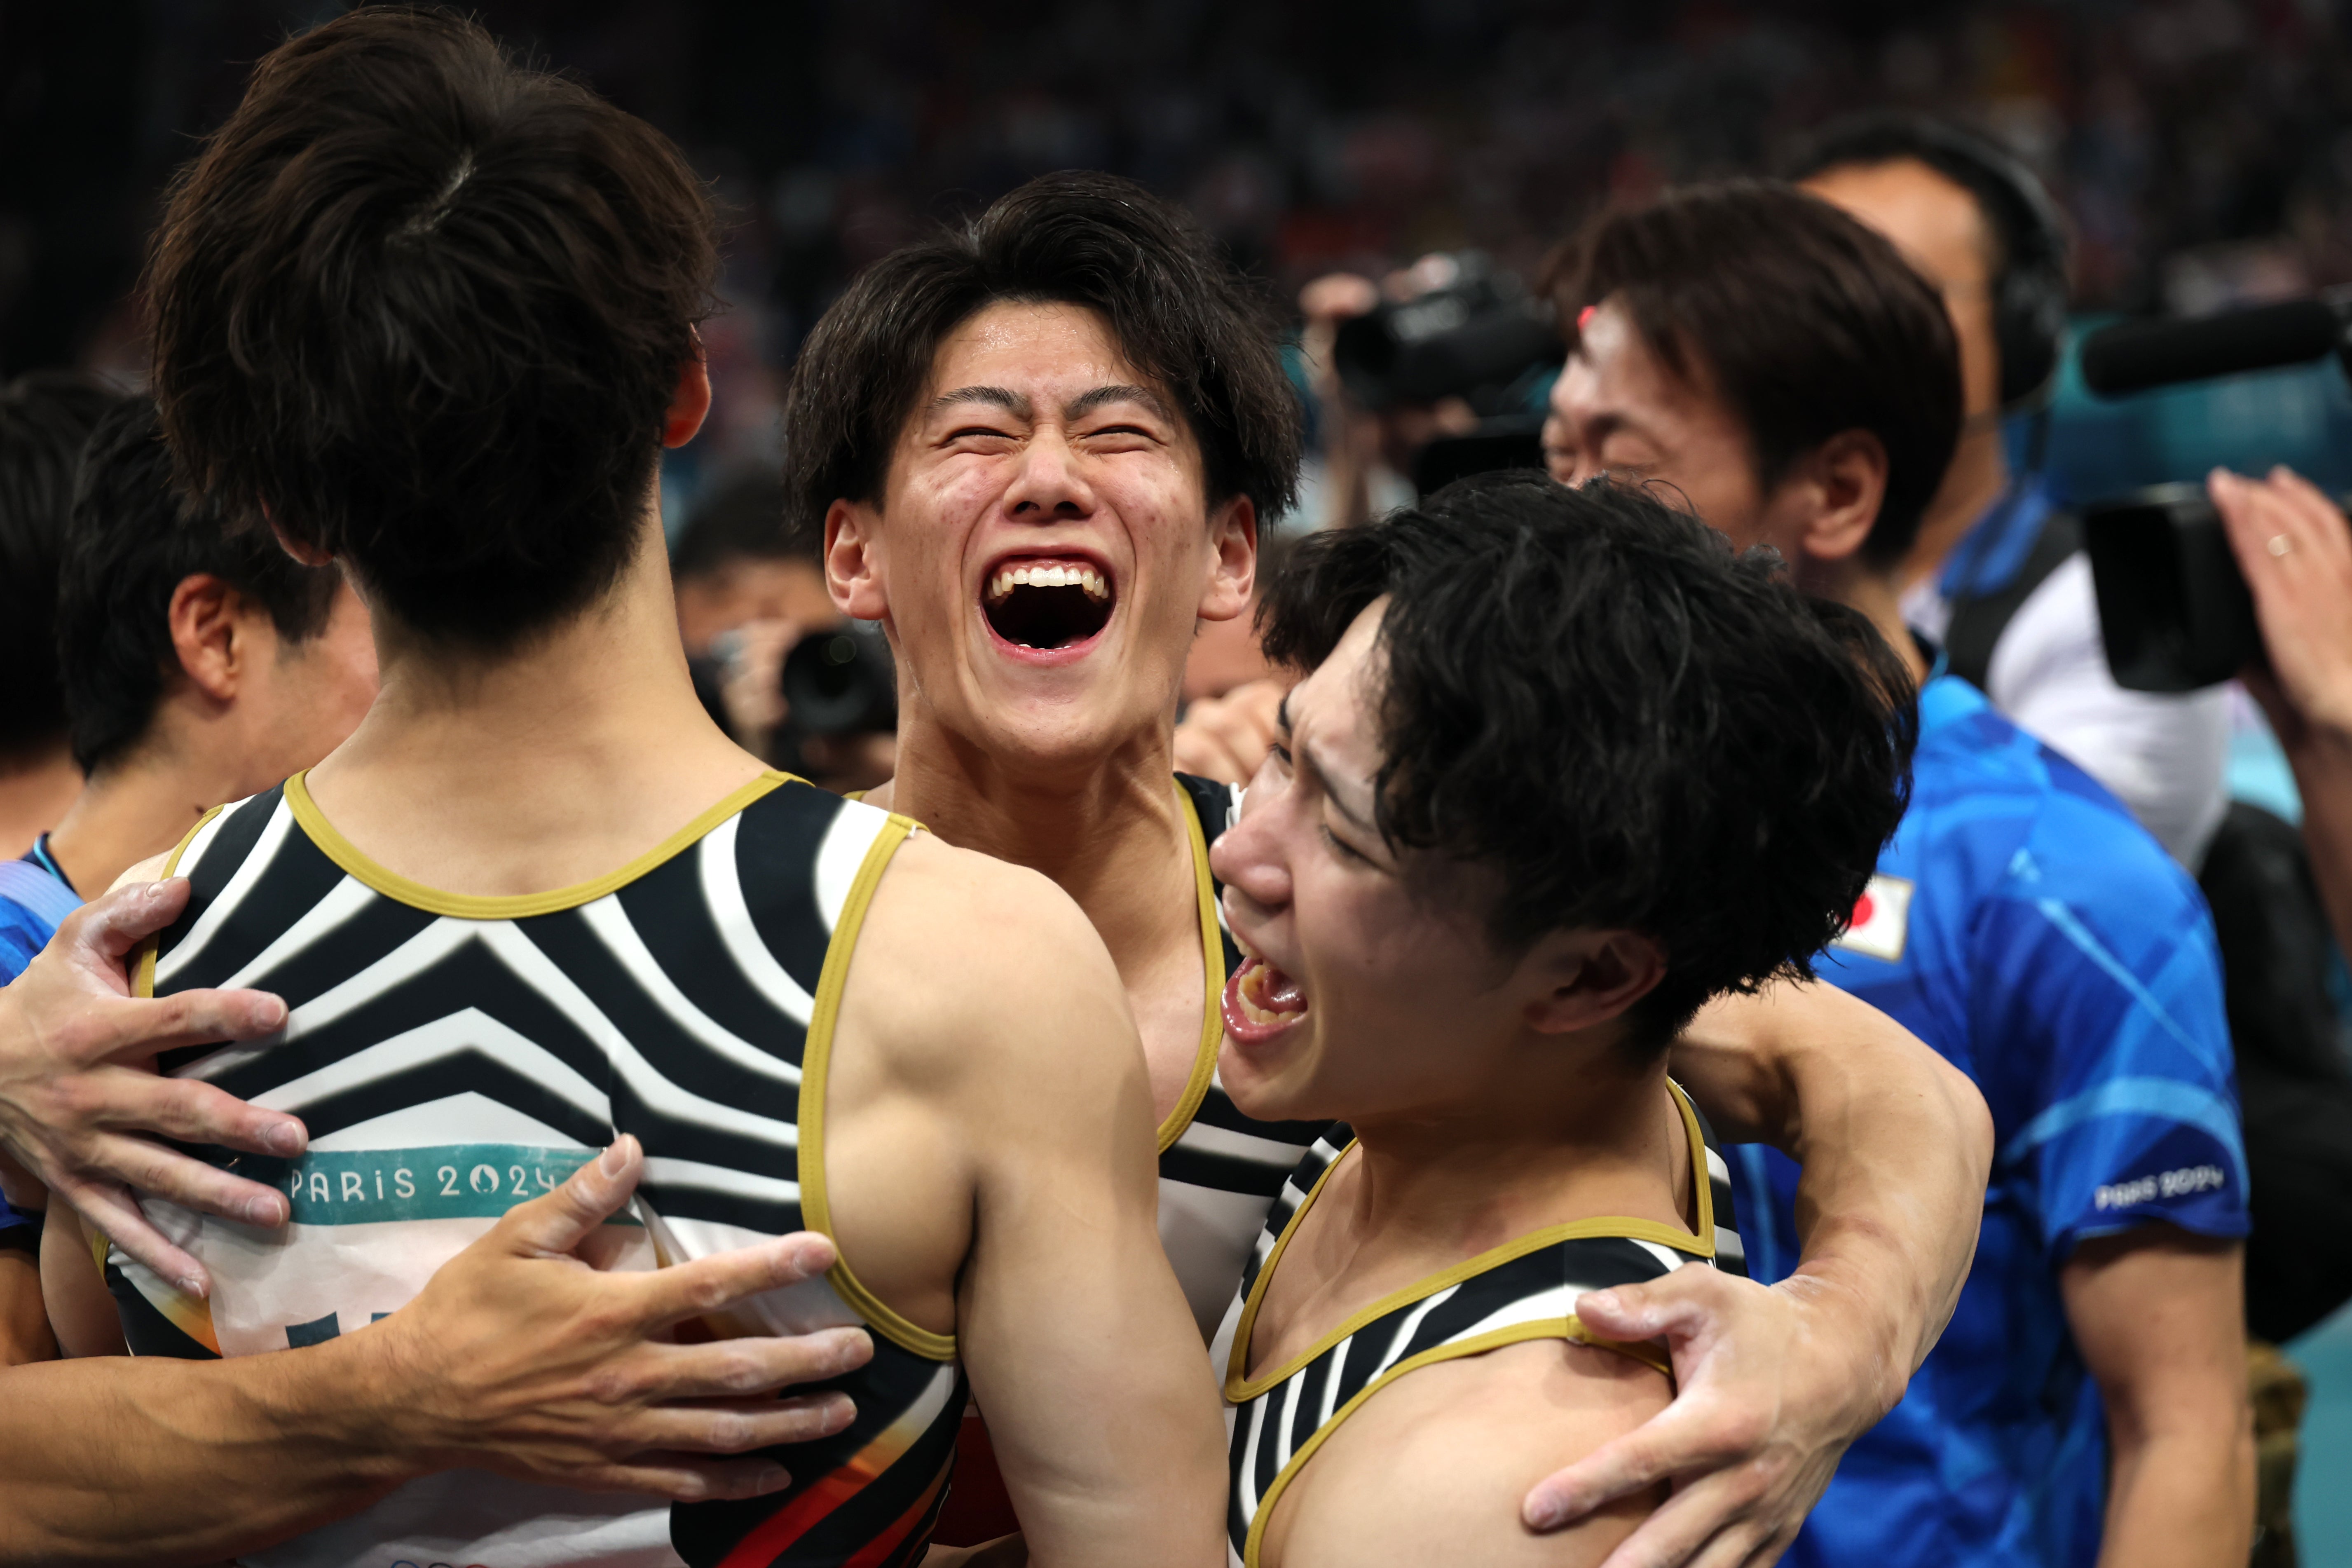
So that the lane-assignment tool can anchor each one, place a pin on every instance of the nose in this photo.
(1247, 858)
(1049, 486)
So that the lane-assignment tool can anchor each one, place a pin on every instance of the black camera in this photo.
(2174, 611)
(842, 681)
(1480, 337)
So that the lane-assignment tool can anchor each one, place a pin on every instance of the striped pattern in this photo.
(453, 1056)
(1523, 1290)
(1219, 1170)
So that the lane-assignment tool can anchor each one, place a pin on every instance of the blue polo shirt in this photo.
(2023, 925)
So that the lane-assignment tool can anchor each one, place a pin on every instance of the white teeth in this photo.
(1080, 576)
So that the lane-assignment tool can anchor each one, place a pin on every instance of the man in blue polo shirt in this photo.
(1779, 365)
(201, 663)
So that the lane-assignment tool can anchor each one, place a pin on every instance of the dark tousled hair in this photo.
(1804, 320)
(1177, 310)
(426, 309)
(132, 543)
(1590, 692)
(44, 419)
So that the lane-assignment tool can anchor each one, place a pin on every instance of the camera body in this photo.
(1480, 337)
(842, 681)
(2174, 611)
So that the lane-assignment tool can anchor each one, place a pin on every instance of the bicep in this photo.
(1081, 1350)
(2159, 1314)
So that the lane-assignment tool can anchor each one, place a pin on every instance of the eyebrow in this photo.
(1314, 764)
(1012, 402)
(1086, 403)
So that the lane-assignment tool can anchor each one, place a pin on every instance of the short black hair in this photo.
(1804, 320)
(130, 544)
(742, 520)
(2021, 223)
(1588, 692)
(426, 309)
(1178, 311)
(44, 419)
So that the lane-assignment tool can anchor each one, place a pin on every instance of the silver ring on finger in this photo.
(2280, 545)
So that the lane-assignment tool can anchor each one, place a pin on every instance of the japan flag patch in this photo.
(1882, 920)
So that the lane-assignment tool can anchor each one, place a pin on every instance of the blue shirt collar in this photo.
(1989, 555)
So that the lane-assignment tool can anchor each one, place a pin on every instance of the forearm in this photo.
(2183, 1496)
(155, 1461)
(1895, 1146)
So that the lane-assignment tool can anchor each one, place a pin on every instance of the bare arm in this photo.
(1775, 1383)
(2295, 550)
(2161, 1319)
(517, 1357)
(1005, 1021)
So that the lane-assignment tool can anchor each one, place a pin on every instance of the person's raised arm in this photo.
(517, 1357)
(81, 1107)
(1896, 1146)
(2295, 550)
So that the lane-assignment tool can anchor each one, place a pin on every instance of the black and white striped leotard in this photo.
(451, 1055)
(1219, 1170)
(1525, 1290)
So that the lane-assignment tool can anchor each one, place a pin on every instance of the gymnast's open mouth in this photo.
(1048, 604)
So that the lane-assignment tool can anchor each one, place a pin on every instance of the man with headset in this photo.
(1998, 575)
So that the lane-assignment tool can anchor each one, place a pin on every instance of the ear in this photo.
(209, 634)
(1843, 484)
(853, 571)
(1592, 977)
(691, 402)
(1233, 571)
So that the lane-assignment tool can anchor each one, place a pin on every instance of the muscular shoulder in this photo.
(988, 964)
(1433, 1468)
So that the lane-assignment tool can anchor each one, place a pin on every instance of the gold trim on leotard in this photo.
(1213, 975)
(518, 906)
(1239, 1388)
(142, 975)
(816, 1062)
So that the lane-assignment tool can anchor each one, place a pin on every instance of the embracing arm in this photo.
(517, 1357)
(1776, 1382)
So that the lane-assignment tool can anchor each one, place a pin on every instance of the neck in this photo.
(1108, 832)
(1859, 587)
(538, 767)
(141, 805)
(36, 786)
(1979, 473)
(1464, 1182)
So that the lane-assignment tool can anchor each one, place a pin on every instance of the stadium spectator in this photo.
(1998, 573)
(1775, 361)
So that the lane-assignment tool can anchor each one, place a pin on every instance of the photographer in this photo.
(1998, 573)
(2295, 550)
